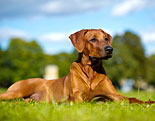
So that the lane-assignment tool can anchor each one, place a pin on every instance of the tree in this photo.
(151, 69)
(133, 42)
(21, 60)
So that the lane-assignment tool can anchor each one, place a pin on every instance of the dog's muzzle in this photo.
(108, 50)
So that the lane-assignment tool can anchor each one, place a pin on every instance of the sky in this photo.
(50, 22)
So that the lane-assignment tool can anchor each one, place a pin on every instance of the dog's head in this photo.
(93, 42)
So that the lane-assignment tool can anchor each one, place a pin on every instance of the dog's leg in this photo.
(109, 91)
(77, 97)
(118, 98)
(10, 95)
(21, 89)
(38, 97)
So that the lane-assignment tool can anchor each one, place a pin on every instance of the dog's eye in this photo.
(93, 40)
(106, 39)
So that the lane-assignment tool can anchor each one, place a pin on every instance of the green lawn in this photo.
(18, 110)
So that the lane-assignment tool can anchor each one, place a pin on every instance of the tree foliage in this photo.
(151, 70)
(21, 60)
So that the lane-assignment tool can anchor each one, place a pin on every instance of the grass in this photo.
(18, 110)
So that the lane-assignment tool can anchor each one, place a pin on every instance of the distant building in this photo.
(51, 72)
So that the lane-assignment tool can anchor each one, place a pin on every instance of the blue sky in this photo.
(50, 22)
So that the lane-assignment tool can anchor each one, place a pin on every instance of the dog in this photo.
(87, 79)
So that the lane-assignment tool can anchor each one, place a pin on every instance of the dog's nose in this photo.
(108, 49)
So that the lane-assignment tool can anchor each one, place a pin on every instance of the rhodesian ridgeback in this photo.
(87, 79)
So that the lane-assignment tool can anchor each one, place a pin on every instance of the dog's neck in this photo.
(95, 64)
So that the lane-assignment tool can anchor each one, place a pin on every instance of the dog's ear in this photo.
(78, 40)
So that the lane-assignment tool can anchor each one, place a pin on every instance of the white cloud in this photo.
(53, 37)
(148, 37)
(52, 7)
(7, 33)
(40, 8)
(148, 40)
(128, 6)
(72, 6)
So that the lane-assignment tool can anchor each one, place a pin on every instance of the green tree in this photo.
(151, 69)
(133, 42)
(21, 60)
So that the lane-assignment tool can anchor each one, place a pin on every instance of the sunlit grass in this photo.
(18, 110)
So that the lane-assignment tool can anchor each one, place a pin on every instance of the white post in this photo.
(51, 72)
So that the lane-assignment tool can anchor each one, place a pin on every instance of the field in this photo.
(18, 110)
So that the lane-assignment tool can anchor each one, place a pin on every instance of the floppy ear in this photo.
(78, 40)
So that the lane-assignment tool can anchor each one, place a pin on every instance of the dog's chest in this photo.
(92, 78)
(85, 80)
(89, 73)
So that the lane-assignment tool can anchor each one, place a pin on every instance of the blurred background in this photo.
(34, 39)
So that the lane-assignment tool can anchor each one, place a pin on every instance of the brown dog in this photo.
(86, 80)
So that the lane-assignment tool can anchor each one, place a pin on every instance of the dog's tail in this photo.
(134, 100)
